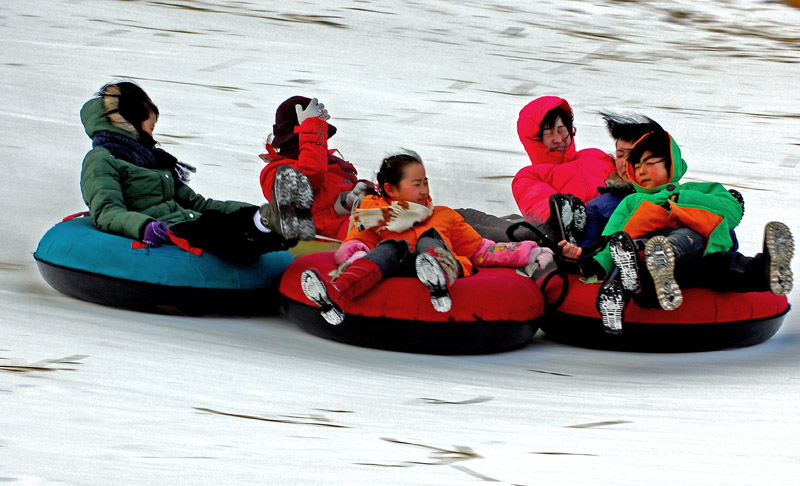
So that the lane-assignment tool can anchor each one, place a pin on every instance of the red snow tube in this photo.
(707, 320)
(493, 310)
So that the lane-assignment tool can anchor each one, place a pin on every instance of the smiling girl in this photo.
(401, 233)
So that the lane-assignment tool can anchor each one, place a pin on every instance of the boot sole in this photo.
(570, 220)
(610, 305)
(294, 196)
(431, 275)
(779, 245)
(660, 260)
(315, 290)
(623, 252)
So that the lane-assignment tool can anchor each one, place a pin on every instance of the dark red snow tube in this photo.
(493, 310)
(707, 320)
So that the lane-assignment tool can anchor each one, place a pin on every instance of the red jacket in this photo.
(327, 178)
(570, 172)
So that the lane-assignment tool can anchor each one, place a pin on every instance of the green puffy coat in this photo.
(123, 197)
(705, 207)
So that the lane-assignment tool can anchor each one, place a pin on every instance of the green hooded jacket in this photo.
(705, 207)
(123, 197)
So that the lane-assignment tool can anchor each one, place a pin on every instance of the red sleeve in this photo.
(312, 161)
(313, 158)
(532, 195)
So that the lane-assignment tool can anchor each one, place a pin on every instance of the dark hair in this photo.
(550, 119)
(657, 142)
(392, 167)
(133, 104)
(629, 128)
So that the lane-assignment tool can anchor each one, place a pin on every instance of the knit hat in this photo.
(286, 120)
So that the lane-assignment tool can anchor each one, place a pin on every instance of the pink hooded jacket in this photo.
(570, 172)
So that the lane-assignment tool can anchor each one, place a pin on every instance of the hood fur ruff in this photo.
(110, 96)
(615, 183)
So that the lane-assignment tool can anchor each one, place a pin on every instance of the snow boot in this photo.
(626, 258)
(356, 279)
(779, 249)
(610, 303)
(567, 217)
(436, 272)
(289, 212)
(317, 292)
(660, 259)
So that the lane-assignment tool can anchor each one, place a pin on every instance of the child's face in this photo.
(413, 186)
(150, 124)
(651, 171)
(623, 150)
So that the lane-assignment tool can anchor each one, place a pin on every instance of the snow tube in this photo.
(707, 320)
(494, 310)
(81, 261)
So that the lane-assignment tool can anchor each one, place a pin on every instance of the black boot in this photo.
(610, 302)
(626, 258)
(567, 217)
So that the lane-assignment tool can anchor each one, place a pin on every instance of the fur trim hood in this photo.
(101, 113)
(528, 124)
(616, 185)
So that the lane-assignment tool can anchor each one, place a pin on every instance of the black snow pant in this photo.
(232, 236)
(727, 271)
(395, 258)
(495, 228)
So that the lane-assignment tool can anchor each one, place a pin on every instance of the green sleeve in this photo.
(189, 199)
(102, 192)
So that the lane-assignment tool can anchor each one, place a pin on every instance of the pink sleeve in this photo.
(491, 254)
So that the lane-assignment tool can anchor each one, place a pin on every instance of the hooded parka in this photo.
(569, 172)
(123, 197)
(705, 207)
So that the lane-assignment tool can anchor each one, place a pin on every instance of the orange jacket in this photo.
(460, 237)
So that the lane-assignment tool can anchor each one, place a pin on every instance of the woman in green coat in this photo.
(137, 190)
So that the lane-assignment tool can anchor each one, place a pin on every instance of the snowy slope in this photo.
(96, 395)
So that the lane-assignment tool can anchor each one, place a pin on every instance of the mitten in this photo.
(156, 233)
(314, 109)
(540, 262)
(362, 188)
(542, 256)
(349, 251)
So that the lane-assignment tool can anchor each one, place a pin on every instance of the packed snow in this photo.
(93, 395)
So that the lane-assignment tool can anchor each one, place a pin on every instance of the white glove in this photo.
(314, 109)
(361, 189)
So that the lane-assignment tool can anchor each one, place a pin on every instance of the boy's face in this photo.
(623, 150)
(651, 171)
